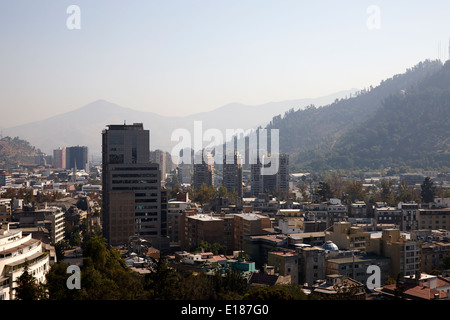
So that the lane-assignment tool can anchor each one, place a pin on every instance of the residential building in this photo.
(232, 174)
(355, 266)
(285, 263)
(432, 255)
(185, 173)
(336, 212)
(348, 237)
(174, 215)
(338, 286)
(389, 215)
(410, 215)
(59, 158)
(126, 167)
(5, 178)
(307, 238)
(256, 179)
(283, 176)
(246, 224)
(263, 279)
(5, 210)
(49, 217)
(311, 265)
(358, 209)
(201, 227)
(259, 246)
(159, 157)
(404, 253)
(203, 170)
(17, 251)
(434, 218)
(277, 183)
(419, 286)
(54, 221)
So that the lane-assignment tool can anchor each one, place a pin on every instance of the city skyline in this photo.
(185, 57)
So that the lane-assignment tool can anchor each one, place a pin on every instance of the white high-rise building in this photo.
(17, 251)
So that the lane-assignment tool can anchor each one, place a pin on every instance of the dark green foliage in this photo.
(404, 121)
(324, 191)
(428, 190)
(215, 248)
(56, 283)
(277, 292)
(28, 287)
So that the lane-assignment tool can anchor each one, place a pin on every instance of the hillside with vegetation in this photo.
(14, 151)
(402, 122)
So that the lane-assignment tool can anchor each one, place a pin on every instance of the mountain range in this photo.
(403, 121)
(83, 126)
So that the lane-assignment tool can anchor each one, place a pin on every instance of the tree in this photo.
(355, 191)
(56, 284)
(385, 193)
(428, 190)
(446, 261)
(276, 292)
(28, 287)
(324, 191)
(406, 193)
(400, 288)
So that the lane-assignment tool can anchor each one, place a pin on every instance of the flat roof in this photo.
(204, 217)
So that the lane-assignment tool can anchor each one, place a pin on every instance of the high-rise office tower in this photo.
(232, 173)
(77, 157)
(129, 176)
(203, 170)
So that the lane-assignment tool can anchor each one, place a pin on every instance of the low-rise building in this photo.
(311, 265)
(389, 215)
(434, 218)
(355, 266)
(348, 237)
(336, 286)
(285, 263)
(425, 287)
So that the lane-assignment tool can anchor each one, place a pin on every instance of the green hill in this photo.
(402, 122)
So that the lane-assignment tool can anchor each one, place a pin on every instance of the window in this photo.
(116, 158)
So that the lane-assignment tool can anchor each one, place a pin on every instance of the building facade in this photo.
(203, 170)
(232, 174)
(59, 158)
(348, 237)
(77, 157)
(404, 253)
(126, 167)
(17, 251)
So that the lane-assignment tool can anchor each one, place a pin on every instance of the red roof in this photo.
(417, 292)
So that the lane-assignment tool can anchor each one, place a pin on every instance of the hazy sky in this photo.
(178, 57)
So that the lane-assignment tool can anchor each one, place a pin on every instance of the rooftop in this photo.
(204, 217)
